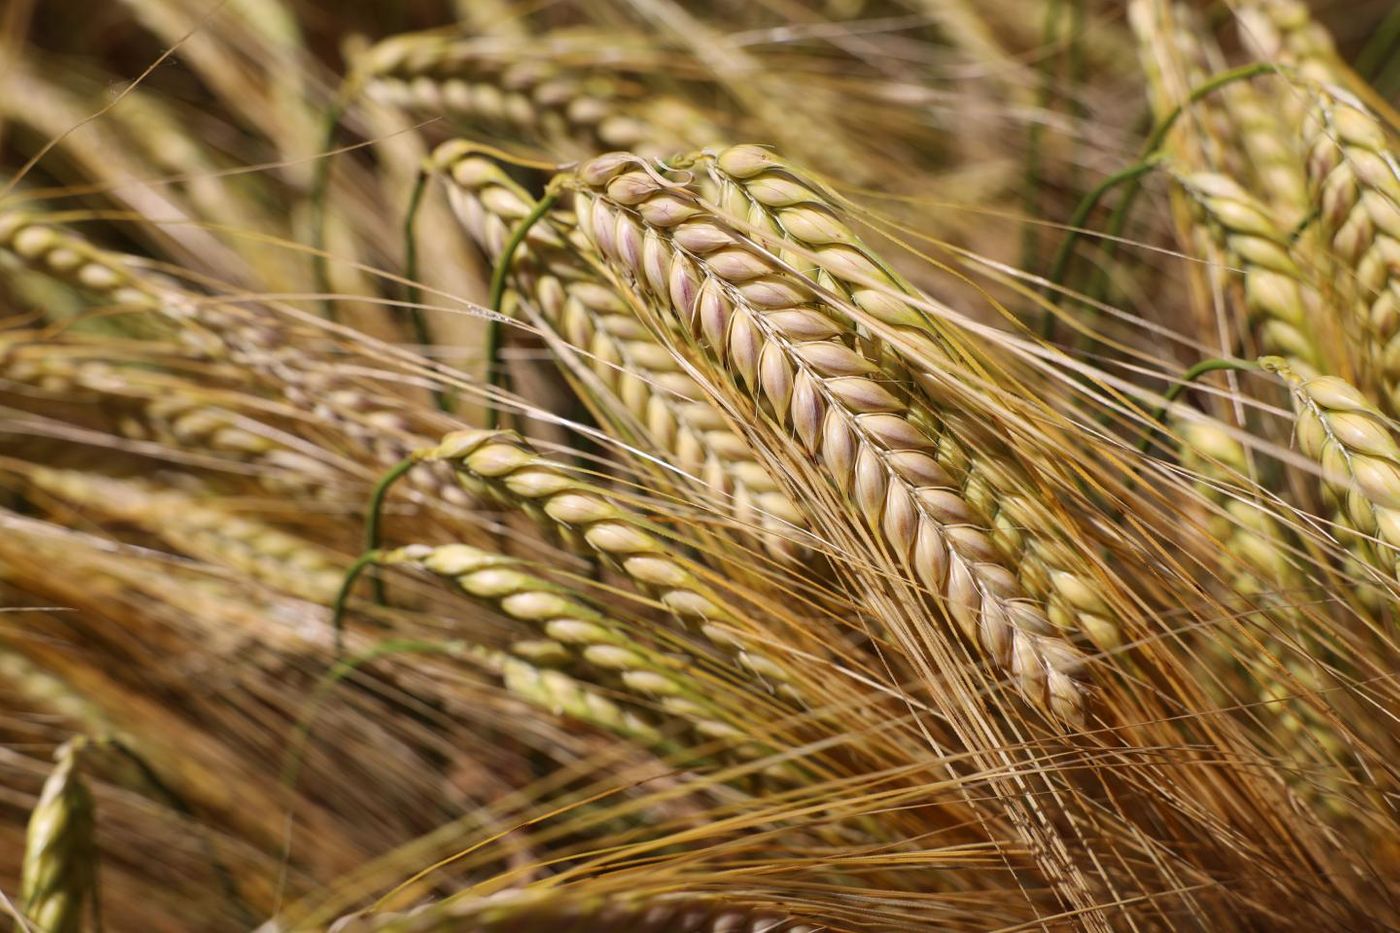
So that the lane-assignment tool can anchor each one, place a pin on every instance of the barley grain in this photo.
(643, 376)
(556, 908)
(569, 620)
(780, 347)
(501, 465)
(1354, 177)
(1360, 460)
(59, 875)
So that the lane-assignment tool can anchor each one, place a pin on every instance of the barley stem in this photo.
(497, 375)
(413, 295)
(1169, 397)
(1150, 158)
(374, 516)
(320, 191)
(341, 597)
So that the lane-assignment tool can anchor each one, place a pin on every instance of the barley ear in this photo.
(553, 909)
(1360, 459)
(779, 344)
(59, 875)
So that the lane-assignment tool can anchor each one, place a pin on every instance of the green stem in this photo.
(1076, 225)
(1174, 392)
(1030, 245)
(374, 513)
(413, 295)
(496, 374)
(320, 186)
(1148, 159)
(1377, 50)
(346, 585)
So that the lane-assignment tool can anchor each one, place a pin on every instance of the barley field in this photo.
(712, 466)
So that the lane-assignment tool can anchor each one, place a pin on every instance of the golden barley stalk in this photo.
(1354, 175)
(203, 530)
(513, 86)
(643, 376)
(1280, 302)
(763, 192)
(279, 350)
(59, 875)
(551, 909)
(569, 620)
(767, 330)
(1360, 460)
(501, 465)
